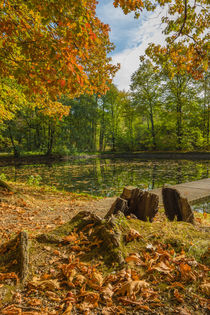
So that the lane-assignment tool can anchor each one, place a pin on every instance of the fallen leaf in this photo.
(45, 284)
(131, 288)
(107, 292)
(68, 309)
(132, 235)
(205, 288)
(178, 296)
(134, 258)
(162, 267)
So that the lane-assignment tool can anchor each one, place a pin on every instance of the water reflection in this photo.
(107, 177)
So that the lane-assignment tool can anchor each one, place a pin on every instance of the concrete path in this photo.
(195, 192)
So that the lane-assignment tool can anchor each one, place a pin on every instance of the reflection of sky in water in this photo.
(202, 207)
(107, 177)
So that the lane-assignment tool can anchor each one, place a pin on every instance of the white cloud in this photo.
(149, 32)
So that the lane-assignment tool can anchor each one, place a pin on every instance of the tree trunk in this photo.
(51, 132)
(153, 127)
(15, 150)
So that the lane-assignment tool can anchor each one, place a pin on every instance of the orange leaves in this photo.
(50, 43)
(62, 82)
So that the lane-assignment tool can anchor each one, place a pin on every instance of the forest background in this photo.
(66, 111)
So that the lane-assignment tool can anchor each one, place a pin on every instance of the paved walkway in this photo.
(195, 192)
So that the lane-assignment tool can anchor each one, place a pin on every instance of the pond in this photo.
(107, 177)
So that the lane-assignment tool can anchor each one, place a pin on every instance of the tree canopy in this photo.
(186, 29)
(50, 48)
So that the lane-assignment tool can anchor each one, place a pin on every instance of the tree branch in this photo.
(183, 24)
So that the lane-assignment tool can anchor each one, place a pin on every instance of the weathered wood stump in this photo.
(142, 204)
(23, 255)
(15, 255)
(176, 206)
(119, 205)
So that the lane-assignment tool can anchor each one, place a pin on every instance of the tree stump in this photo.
(144, 205)
(129, 192)
(15, 255)
(24, 257)
(176, 206)
(119, 205)
(134, 201)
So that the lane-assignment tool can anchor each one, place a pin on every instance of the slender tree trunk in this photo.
(102, 129)
(179, 126)
(179, 114)
(51, 132)
(15, 150)
(113, 128)
(153, 127)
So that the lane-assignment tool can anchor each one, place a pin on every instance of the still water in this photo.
(107, 177)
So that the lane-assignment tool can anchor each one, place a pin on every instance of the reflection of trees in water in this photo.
(154, 175)
(109, 176)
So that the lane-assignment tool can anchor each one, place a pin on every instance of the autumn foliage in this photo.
(54, 47)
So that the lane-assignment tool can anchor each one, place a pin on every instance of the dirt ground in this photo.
(38, 210)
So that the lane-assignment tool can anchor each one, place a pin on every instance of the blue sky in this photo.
(130, 36)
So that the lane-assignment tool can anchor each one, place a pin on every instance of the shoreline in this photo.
(8, 160)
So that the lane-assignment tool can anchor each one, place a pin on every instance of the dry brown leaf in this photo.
(134, 258)
(205, 288)
(11, 275)
(131, 288)
(113, 310)
(177, 284)
(132, 235)
(97, 278)
(45, 284)
(107, 292)
(178, 296)
(183, 311)
(68, 309)
(45, 276)
(72, 238)
(79, 280)
(34, 302)
(162, 267)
